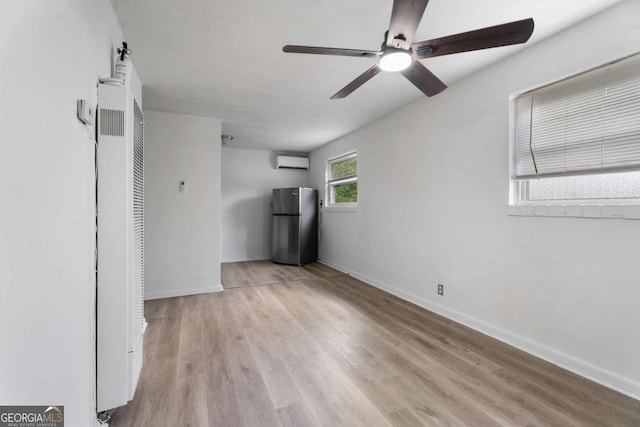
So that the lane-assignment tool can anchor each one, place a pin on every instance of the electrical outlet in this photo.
(440, 289)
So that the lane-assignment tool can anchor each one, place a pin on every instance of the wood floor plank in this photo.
(191, 402)
(222, 404)
(155, 308)
(168, 343)
(251, 391)
(321, 270)
(319, 348)
(151, 338)
(234, 275)
(158, 405)
(296, 415)
(282, 390)
(404, 417)
(173, 307)
(191, 334)
(190, 362)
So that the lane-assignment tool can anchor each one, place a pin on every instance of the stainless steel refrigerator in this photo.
(294, 229)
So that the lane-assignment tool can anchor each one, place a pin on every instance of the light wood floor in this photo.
(253, 273)
(290, 346)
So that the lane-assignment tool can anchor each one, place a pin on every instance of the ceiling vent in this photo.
(291, 162)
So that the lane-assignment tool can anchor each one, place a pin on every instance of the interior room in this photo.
(363, 213)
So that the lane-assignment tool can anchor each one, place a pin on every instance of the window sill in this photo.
(350, 209)
(619, 211)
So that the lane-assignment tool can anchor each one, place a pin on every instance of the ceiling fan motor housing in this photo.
(398, 41)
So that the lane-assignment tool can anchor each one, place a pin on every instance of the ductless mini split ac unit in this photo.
(292, 162)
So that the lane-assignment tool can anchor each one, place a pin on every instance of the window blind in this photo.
(343, 168)
(585, 124)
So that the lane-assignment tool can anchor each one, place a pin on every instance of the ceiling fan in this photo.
(398, 53)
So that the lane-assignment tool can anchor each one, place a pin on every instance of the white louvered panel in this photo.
(120, 289)
(138, 242)
(111, 122)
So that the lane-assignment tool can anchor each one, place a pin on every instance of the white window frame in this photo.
(519, 204)
(330, 183)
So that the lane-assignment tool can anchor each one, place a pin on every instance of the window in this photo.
(342, 180)
(577, 141)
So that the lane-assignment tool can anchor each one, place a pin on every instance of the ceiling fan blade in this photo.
(424, 79)
(500, 35)
(331, 51)
(405, 17)
(357, 82)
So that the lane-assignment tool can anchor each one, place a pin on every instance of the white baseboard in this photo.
(181, 292)
(585, 369)
(258, 258)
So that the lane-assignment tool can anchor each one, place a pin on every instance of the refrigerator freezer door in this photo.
(286, 201)
(285, 242)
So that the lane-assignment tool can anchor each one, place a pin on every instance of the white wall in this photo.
(433, 208)
(51, 54)
(182, 230)
(248, 176)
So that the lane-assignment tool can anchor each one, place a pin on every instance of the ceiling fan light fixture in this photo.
(395, 60)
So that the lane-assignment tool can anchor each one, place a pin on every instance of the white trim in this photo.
(181, 292)
(331, 182)
(604, 211)
(343, 156)
(580, 367)
(351, 208)
(256, 258)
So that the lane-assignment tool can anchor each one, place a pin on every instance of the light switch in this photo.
(183, 187)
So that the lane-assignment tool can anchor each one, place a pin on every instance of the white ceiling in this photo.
(223, 58)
